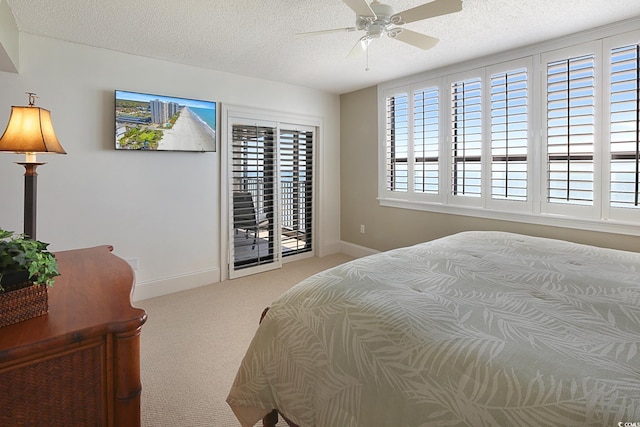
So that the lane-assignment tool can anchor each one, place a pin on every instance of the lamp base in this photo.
(30, 197)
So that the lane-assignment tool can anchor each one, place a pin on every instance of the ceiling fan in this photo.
(377, 19)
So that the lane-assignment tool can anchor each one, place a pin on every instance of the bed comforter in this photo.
(479, 328)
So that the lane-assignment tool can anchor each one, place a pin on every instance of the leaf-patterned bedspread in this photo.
(479, 328)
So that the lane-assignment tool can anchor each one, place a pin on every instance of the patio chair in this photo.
(245, 216)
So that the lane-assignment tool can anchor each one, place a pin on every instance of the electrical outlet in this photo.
(362, 228)
(133, 262)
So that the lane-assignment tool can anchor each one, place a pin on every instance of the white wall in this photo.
(160, 207)
(9, 53)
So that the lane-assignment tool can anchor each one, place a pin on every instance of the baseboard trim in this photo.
(329, 250)
(356, 251)
(183, 282)
(170, 285)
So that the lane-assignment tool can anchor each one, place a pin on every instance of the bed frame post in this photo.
(271, 419)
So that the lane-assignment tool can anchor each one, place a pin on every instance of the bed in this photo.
(478, 328)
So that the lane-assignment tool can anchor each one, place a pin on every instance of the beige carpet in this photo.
(193, 342)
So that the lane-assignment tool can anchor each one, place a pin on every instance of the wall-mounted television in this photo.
(164, 123)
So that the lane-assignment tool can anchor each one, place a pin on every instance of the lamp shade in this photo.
(30, 131)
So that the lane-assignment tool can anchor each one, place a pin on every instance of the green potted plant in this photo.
(25, 260)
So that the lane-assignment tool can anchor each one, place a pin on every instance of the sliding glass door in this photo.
(271, 194)
(296, 190)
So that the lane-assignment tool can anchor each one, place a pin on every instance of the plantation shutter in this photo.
(509, 135)
(397, 143)
(426, 140)
(296, 199)
(254, 207)
(570, 130)
(625, 127)
(466, 144)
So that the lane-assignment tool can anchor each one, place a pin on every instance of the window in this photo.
(509, 135)
(625, 127)
(466, 130)
(426, 137)
(552, 138)
(397, 172)
(570, 130)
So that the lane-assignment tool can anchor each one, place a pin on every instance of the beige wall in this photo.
(387, 228)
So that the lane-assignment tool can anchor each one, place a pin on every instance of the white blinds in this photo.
(252, 181)
(426, 141)
(625, 127)
(296, 191)
(570, 130)
(509, 135)
(546, 138)
(466, 141)
(397, 143)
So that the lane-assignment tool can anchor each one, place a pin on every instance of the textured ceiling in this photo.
(257, 38)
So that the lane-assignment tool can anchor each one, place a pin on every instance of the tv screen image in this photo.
(164, 123)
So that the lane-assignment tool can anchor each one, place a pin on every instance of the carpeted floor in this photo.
(193, 342)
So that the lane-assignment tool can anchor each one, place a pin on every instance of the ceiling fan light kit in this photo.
(377, 19)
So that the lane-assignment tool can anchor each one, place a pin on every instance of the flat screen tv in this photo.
(164, 123)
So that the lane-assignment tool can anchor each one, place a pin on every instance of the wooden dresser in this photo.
(78, 365)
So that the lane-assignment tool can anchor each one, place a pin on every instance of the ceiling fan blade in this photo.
(427, 10)
(360, 7)
(360, 47)
(335, 30)
(415, 39)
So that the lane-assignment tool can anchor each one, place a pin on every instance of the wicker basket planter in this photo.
(22, 301)
(27, 268)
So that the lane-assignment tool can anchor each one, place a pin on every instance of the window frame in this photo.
(536, 209)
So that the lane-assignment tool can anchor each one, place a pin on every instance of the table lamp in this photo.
(30, 131)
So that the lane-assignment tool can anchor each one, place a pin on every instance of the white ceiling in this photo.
(257, 38)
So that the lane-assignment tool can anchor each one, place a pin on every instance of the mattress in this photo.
(478, 328)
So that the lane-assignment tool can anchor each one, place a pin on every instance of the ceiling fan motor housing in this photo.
(376, 25)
